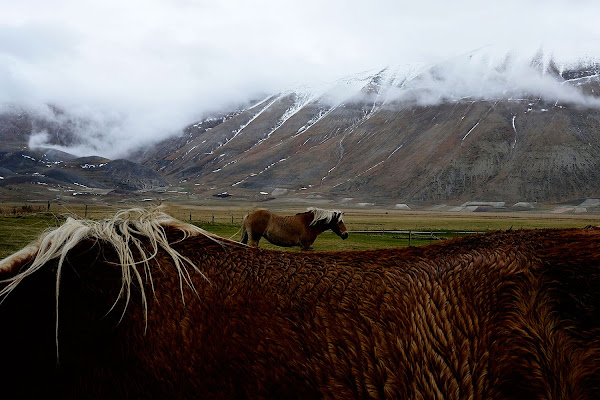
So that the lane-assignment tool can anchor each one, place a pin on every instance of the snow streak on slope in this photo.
(582, 80)
(360, 174)
(324, 112)
(480, 119)
(257, 104)
(258, 173)
(514, 129)
(471, 130)
(302, 99)
(242, 127)
(393, 152)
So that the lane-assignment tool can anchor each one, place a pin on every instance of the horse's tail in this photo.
(244, 238)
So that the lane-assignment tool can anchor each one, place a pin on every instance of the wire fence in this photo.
(414, 236)
(21, 210)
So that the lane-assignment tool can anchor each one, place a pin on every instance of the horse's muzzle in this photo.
(344, 235)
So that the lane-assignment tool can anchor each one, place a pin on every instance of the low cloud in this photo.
(484, 75)
(139, 71)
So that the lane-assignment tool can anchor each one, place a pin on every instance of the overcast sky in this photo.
(146, 68)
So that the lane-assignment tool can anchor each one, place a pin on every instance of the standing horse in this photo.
(144, 306)
(297, 230)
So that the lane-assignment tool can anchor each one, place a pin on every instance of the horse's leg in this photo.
(254, 239)
(305, 246)
(244, 235)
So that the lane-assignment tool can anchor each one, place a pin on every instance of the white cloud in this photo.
(491, 74)
(143, 69)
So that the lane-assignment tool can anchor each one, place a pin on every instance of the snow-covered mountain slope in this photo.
(408, 134)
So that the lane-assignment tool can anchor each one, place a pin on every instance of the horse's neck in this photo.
(307, 218)
(319, 227)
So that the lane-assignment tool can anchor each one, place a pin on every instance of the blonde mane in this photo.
(127, 230)
(325, 215)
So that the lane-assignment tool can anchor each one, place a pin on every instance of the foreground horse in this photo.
(116, 309)
(297, 230)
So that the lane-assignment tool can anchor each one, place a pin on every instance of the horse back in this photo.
(492, 316)
(505, 315)
(258, 221)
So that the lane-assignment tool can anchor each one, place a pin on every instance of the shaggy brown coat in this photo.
(495, 316)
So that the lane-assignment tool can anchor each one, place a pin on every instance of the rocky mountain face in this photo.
(372, 146)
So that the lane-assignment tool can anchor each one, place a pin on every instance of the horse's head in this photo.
(337, 225)
(329, 219)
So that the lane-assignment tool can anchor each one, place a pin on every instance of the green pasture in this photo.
(18, 231)
(329, 241)
(368, 228)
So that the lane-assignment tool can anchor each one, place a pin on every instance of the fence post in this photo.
(190, 215)
(213, 218)
(232, 219)
(85, 214)
(409, 237)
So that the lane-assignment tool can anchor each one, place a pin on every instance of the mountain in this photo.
(409, 137)
(37, 173)
(472, 132)
(26, 173)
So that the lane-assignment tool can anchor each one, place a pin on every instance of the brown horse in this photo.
(144, 306)
(297, 230)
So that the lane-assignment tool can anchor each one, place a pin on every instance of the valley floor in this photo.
(369, 227)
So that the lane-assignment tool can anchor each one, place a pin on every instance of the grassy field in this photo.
(366, 226)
